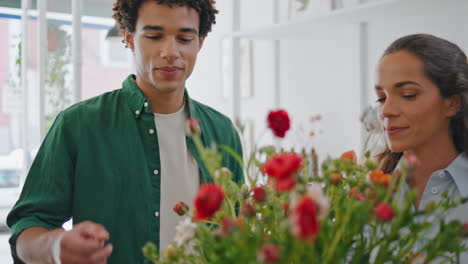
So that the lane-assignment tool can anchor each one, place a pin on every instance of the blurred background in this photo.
(314, 58)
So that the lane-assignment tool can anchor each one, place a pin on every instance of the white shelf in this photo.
(304, 26)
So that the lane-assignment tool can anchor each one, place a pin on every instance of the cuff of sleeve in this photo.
(18, 228)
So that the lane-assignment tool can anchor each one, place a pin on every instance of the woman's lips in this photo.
(395, 130)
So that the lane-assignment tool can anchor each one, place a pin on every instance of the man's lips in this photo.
(392, 130)
(169, 72)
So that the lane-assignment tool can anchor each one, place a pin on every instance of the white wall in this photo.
(319, 72)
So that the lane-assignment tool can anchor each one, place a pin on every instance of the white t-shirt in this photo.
(180, 177)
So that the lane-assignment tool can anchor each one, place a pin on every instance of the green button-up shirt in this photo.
(99, 161)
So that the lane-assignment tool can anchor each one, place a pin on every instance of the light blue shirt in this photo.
(454, 180)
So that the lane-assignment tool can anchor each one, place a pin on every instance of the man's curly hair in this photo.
(126, 12)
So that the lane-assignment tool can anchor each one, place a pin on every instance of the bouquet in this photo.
(288, 212)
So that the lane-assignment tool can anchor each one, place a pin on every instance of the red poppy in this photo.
(283, 168)
(279, 122)
(305, 223)
(207, 201)
(259, 194)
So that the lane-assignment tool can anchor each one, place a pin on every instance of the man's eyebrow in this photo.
(149, 27)
(188, 30)
(159, 28)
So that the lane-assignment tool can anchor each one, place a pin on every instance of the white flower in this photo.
(185, 231)
(370, 120)
(315, 191)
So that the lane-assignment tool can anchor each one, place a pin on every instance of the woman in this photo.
(422, 91)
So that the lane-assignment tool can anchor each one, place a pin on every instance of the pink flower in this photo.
(269, 253)
(283, 168)
(411, 160)
(207, 201)
(181, 208)
(304, 219)
(384, 212)
(279, 122)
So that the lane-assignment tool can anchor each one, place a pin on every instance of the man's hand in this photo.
(85, 243)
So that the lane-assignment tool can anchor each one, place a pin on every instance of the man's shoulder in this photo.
(95, 106)
(210, 114)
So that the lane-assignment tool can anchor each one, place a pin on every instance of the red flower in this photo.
(283, 168)
(279, 122)
(269, 253)
(248, 210)
(181, 208)
(207, 201)
(259, 194)
(305, 222)
(349, 156)
(384, 212)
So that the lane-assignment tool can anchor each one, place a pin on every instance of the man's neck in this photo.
(161, 103)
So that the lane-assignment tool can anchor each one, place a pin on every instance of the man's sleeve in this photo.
(45, 200)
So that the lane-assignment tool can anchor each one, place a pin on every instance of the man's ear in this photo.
(453, 105)
(200, 43)
(128, 38)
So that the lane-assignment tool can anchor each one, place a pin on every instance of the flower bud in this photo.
(193, 127)
(170, 252)
(181, 208)
(335, 178)
(248, 210)
(384, 212)
(269, 254)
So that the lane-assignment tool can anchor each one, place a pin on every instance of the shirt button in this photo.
(156, 214)
(441, 174)
(434, 190)
(156, 172)
(151, 131)
(146, 104)
(137, 112)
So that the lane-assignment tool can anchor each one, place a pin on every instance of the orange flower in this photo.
(349, 156)
(335, 178)
(380, 177)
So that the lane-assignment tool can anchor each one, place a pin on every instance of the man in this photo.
(117, 163)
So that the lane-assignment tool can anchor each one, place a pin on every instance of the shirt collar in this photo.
(458, 170)
(138, 103)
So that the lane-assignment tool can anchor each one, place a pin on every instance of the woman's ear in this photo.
(453, 105)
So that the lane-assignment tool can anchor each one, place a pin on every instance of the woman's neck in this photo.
(430, 158)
